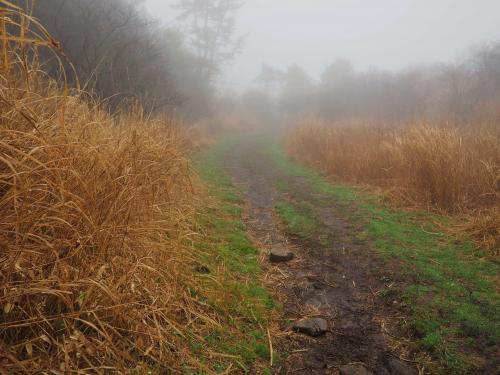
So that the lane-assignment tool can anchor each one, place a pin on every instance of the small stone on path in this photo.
(280, 254)
(354, 370)
(312, 327)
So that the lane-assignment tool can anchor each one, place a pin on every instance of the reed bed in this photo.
(452, 169)
(95, 213)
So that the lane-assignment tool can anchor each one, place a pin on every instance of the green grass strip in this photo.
(243, 304)
(452, 296)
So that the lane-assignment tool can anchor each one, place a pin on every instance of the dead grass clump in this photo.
(95, 210)
(453, 169)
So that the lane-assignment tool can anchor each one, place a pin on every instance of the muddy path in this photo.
(334, 276)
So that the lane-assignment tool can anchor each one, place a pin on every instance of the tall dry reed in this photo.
(94, 213)
(454, 169)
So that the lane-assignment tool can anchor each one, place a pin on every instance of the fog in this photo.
(250, 187)
(387, 34)
(272, 62)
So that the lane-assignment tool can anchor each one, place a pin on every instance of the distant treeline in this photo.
(121, 54)
(461, 92)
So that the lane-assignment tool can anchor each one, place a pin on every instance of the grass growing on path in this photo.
(300, 219)
(447, 285)
(244, 305)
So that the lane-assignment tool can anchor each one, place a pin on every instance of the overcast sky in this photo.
(387, 34)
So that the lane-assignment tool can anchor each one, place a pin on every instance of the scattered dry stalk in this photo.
(95, 211)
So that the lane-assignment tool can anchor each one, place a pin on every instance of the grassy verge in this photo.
(229, 268)
(446, 284)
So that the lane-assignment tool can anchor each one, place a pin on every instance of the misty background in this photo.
(266, 63)
(386, 34)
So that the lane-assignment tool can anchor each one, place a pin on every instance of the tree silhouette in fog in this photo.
(212, 32)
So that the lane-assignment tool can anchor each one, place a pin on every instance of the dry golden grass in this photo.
(453, 169)
(207, 130)
(95, 213)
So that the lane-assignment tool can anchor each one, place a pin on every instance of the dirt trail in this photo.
(333, 279)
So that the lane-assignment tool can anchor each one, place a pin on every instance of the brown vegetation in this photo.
(453, 169)
(206, 131)
(95, 213)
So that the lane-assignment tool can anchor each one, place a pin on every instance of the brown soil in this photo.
(338, 279)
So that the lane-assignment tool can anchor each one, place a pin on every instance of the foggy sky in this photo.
(386, 34)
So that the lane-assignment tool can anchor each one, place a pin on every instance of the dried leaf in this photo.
(7, 308)
(46, 339)
(29, 349)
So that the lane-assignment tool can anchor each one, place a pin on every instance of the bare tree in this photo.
(211, 27)
(462, 92)
(121, 54)
(296, 92)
